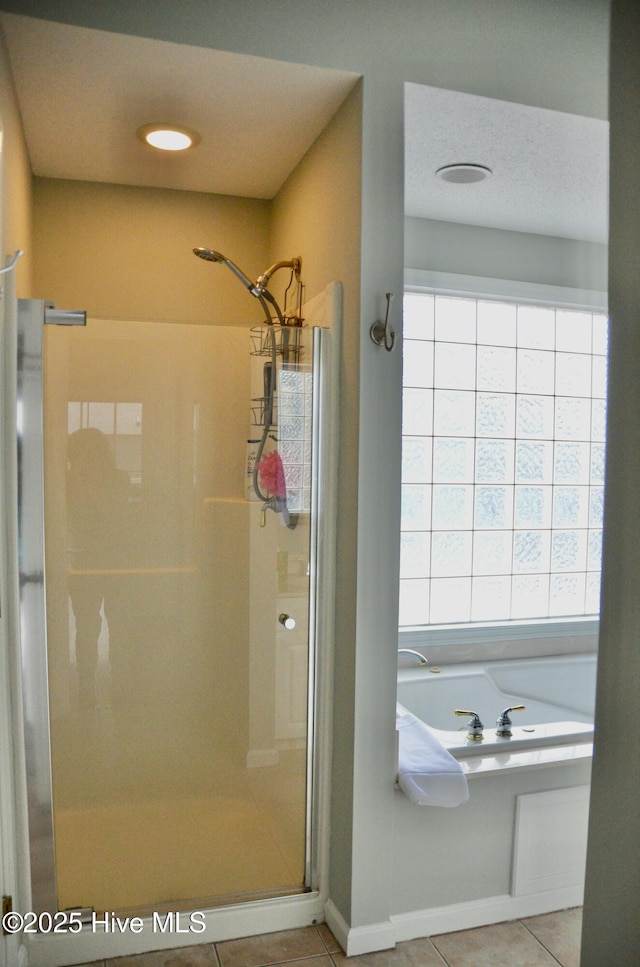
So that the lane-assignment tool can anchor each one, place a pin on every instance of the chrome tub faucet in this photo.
(420, 659)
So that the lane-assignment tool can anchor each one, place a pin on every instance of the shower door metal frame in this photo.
(32, 316)
(325, 367)
(320, 374)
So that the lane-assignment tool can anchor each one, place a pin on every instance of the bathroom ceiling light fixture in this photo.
(168, 137)
(464, 174)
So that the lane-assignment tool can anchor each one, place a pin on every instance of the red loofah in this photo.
(271, 474)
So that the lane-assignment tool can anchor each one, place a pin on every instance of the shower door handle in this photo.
(287, 621)
(64, 317)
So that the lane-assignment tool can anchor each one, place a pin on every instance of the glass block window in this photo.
(295, 400)
(502, 460)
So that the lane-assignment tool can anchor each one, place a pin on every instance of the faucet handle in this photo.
(504, 722)
(475, 727)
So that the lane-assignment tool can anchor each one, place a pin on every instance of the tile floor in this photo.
(550, 940)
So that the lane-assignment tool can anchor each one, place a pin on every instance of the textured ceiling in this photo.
(83, 93)
(550, 170)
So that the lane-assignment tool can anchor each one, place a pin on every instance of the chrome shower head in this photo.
(257, 289)
(208, 255)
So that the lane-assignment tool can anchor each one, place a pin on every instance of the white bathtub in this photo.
(558, 694)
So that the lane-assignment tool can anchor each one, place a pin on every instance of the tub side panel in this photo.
(447, 856)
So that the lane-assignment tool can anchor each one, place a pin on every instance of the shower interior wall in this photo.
(123, 252)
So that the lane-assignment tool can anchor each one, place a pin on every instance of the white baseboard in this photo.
(336, 923)
(480, 913)
(359, 940)
(447, 919)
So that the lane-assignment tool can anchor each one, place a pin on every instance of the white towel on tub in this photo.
(427, 773)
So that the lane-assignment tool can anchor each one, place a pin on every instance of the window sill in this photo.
(451, 644)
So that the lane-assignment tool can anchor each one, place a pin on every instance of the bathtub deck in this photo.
(487, 765)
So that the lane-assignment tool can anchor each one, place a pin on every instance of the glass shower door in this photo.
(177, 620)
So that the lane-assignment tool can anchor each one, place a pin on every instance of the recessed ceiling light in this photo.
(464, 174)
(168, 137)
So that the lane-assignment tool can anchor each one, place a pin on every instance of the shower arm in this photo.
(295, 264)
(258, 289)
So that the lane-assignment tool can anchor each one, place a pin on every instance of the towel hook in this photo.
(381, 332)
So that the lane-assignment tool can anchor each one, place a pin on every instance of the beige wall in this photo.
(124, 252)
(319, 208)
(121, 251)
(316, 213)
(16, 180)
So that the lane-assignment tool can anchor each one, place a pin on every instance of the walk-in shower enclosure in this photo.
(170, 637)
